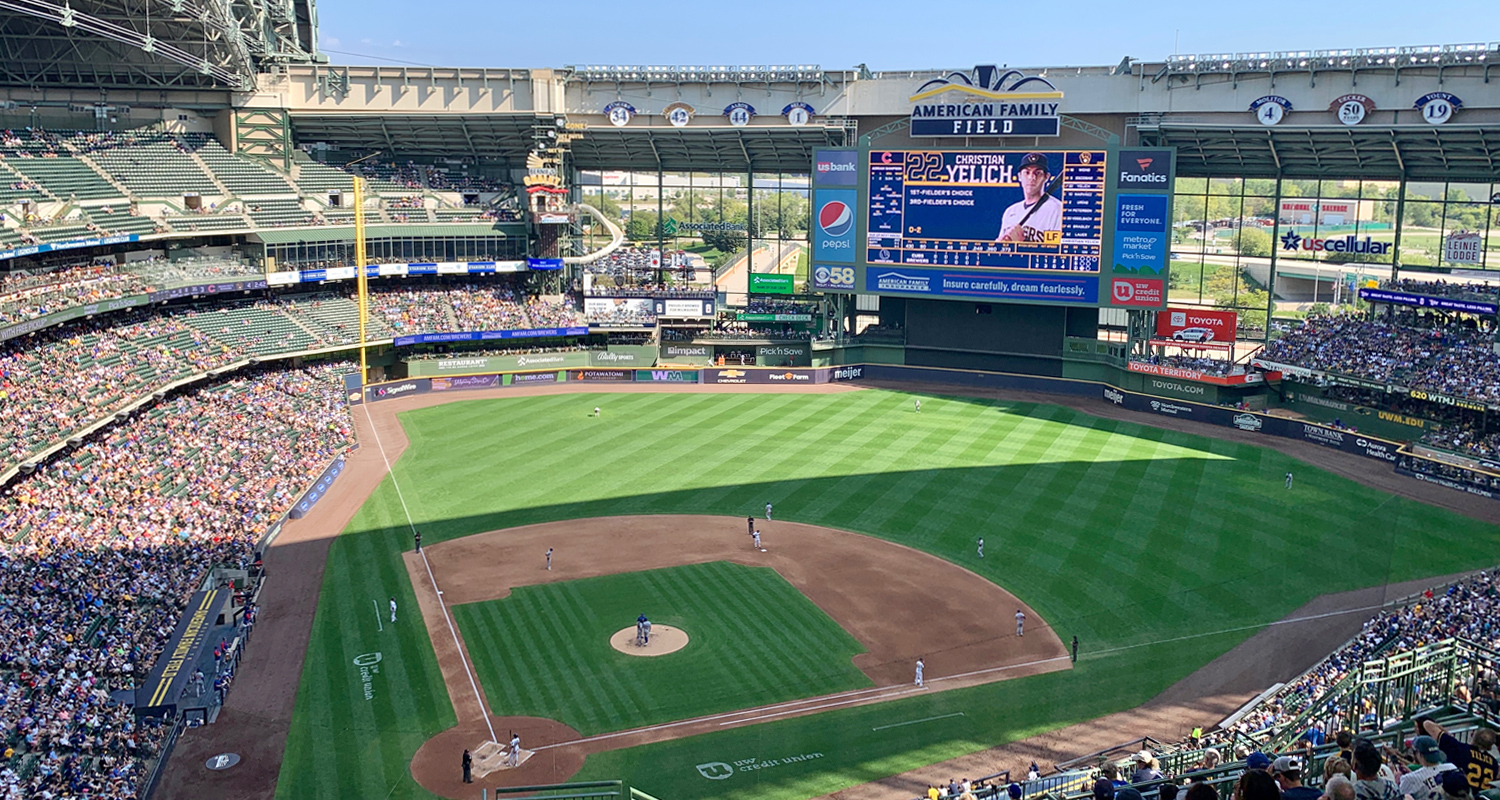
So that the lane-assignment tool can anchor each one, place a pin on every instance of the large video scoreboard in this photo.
(1080, 227)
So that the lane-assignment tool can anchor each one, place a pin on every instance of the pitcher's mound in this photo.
(664, 639)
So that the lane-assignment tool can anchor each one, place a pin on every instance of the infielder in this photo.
(768, 512)
(549, 558)
(393, 609)
(920, 667)
(1020, 622)
(1288, 479)
(981, 547)
(515, 749)
(1033, 176)
(756, 537)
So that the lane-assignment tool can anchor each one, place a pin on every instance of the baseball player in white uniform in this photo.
(981, 547)
(393, 609)
(1033, 176)
(768, 511)
(755, 537)
(919, 406)
(920, 667)
(1020, 622)
(549, 558)
(515, 749)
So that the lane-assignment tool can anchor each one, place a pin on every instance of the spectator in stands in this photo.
(1256, 784)
(1287, 771)
(1369, 783)
(1147, 768)
(1338, 788)
(1426, 781)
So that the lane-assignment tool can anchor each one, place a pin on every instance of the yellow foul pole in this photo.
(361, 280)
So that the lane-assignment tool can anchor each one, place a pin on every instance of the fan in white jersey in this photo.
(1015, 225)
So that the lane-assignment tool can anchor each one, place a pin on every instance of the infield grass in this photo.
(754, 640)
(1159, 550)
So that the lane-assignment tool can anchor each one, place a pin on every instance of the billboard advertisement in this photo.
(466, 382)
(834, 225)
(836, 167)
(684, 309)
(619, 312)
(771, 283)
(667, 375)
(601, 375)
(1196, 329)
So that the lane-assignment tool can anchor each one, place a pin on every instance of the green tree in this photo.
(642, 226)
(1253, 242)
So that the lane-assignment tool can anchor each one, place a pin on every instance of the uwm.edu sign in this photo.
(1196, 328)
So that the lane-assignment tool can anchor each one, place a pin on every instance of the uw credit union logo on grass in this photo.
(715, 770)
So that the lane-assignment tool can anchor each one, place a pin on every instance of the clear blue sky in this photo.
(884, 35)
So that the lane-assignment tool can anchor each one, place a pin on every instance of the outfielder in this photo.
(919, 406)
(920, 667)
(1020, 622)
(1289, 479)
(1037, 213)
(393, 609)
(596, 411)
(981, 547)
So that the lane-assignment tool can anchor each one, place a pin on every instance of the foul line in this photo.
(797, 706)
(463, 659)
(1239, 629)
(379, 626)
(915, 721)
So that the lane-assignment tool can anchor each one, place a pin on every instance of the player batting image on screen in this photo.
(1037, 213)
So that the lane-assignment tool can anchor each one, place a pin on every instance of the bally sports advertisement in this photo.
(1086, 226)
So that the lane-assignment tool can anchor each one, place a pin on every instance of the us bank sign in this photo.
(986, 102)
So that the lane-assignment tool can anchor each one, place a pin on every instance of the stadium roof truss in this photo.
(191, 44)
(1449, 152)
(509, 137)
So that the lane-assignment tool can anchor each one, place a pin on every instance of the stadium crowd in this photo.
(28, 297)
(1415, 351)
(100, 550)
(1469, 609)
(440, 307)
(1208, 366)
(1441, 288)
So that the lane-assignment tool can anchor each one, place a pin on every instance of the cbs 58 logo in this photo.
(834, 277)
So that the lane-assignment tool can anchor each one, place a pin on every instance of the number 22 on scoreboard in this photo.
(922, 166)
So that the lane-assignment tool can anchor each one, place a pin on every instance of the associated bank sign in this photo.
(986, 102)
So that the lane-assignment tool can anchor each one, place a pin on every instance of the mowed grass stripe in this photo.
(755, 640)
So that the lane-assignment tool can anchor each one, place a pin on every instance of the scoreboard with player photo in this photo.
(999, 209)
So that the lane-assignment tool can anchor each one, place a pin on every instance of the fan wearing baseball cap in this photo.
(1287, 771)
(1037, 213)
(1426, 781)
(1473, 759)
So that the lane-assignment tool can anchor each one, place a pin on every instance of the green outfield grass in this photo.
(755, 640)
(1159, 550)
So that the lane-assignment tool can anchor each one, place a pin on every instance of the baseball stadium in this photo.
(748, 432)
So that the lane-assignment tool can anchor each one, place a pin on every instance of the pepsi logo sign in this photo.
(835, 218)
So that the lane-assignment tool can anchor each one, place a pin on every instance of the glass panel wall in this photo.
(1328, 238)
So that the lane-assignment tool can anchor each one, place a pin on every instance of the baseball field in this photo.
(1159, 550)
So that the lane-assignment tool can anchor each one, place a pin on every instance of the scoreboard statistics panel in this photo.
(977, 210)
